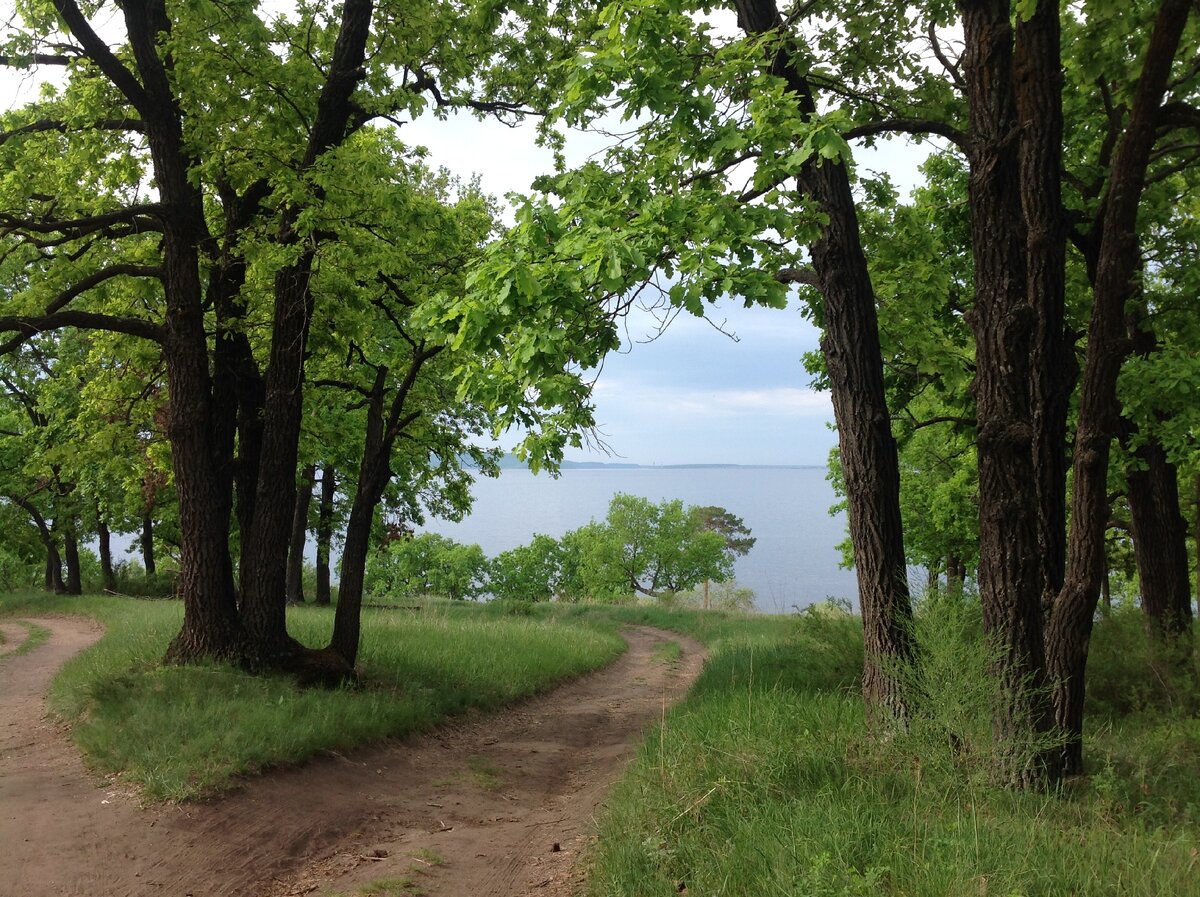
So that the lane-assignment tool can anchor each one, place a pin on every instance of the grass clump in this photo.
(34, 636)
(189, 731)
(764, 782)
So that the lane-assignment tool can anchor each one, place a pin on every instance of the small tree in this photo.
(733, 530)
(528, 572)
(428, 564)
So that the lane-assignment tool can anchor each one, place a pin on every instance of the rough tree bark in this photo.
(1070, 624)
(1005, 325)
(1037, 71)
(1160, 549)
(265, 552)
(295, 568)
(385, 423)
(854, 363)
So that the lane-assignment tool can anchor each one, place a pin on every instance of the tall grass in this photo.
(185, 732)
(764, 782)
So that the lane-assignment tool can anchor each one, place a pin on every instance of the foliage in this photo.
(653, 549)
(528, 572)
(427, 564)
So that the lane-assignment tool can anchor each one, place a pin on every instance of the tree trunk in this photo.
(1196, 541)
(1159, 530)
(265, 547)
(104, 538)
(1037, 69)
(1160, 548)
(1005, 325)
(854, 362)
(74, 581)
(1074, 610)
(325, 533)
(210, 624)
(295, 569)
(346, 623)
(53, 579)
(147, 543)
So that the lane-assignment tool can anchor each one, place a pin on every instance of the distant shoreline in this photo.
(510, 462)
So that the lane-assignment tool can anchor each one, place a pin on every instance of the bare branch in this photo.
(104, 58)
(806, 276)
(915, 126)
(141, 215)
(50, 124)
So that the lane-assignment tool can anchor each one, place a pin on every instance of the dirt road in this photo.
(498, 805)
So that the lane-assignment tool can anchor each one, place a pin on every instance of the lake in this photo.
(794, 563)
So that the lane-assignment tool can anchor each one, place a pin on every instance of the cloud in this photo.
(673, 402)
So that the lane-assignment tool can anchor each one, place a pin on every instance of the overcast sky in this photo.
(694, 395)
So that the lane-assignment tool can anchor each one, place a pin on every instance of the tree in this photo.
(231, 238)
(651, 549)
(730, 527)
(428, 564)
(530, 572)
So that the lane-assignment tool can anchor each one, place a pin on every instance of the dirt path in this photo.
(500, 805)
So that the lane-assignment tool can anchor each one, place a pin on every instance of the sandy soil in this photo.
(497, 805)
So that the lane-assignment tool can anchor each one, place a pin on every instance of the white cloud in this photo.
(669, 402)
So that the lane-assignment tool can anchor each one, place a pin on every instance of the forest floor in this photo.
(492, 804)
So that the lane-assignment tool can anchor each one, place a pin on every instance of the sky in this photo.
(694, 395)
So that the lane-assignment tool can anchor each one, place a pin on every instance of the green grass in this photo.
(186, 732)
(34, 636)
(763, 782)
(668, 653)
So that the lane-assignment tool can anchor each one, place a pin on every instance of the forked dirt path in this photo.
(498, 805)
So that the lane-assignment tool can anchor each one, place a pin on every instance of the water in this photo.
(793, 563)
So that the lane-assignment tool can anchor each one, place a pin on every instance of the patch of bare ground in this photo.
(500, 804)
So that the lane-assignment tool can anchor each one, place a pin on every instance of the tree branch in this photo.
(805, 276)
(31, 325)
(915, 126)
(51, 124)
(134, 215)
(104, 58)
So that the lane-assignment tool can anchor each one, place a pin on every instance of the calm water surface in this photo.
(794, 562)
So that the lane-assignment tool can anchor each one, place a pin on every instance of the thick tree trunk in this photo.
(146, 540)
(264, 579)
(295, 569)
(1074, 610)
(104, 539)
(854, 363)
(1005, 325)
(73, 585)
(1037, 69)
(325, 532)
(210, 623)
(1160, 548)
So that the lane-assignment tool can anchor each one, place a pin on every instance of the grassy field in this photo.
(185, 732)
(762, 782)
